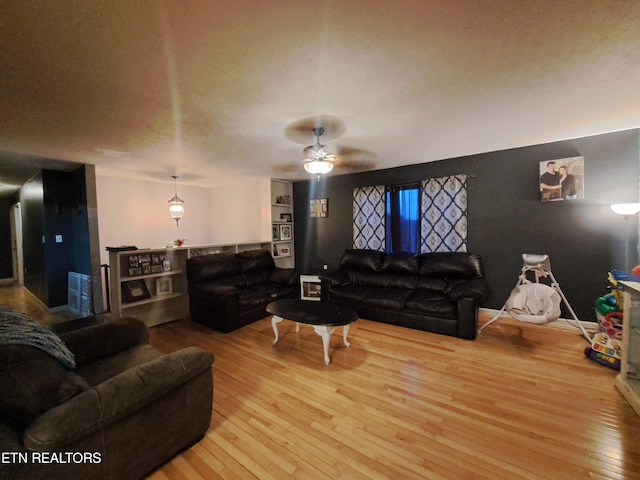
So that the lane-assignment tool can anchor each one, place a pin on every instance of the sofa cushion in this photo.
(250, 298)
(349, 294)
(386, 297)
(256, 277)
(363, 260)
(400, 263)
(106, 368)
(431, 303)
(450, 264)
(213, 267)
(255, 260)
(32, 382)
(432, 284)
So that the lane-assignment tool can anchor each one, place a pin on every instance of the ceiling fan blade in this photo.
(301, 131)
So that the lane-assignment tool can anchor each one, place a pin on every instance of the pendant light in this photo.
(175, 209)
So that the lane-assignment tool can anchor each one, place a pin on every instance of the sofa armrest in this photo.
(284, 276)
(114, 399)
(473, 288)
(335, 278)
(100, 341)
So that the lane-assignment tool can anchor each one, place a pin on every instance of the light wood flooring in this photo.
(520, 402)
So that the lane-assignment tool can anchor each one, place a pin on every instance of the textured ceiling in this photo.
(216, 91)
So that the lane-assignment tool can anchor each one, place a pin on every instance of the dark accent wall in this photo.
(54, 203)
(583, 238)
(6, 253)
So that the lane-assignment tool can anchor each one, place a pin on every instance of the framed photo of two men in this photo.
(561, 179)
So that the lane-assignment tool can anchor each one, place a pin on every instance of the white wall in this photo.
(241, 212)
(136, 212)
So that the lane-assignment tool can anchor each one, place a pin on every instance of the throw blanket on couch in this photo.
(18, 328)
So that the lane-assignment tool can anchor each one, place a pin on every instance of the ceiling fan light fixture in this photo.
(319, 162)
(318, 167)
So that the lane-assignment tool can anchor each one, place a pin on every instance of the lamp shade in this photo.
(318, 167)
(626, 208)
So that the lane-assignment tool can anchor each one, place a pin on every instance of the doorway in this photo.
(16, 244)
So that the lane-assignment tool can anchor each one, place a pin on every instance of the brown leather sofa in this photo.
(123, 412)
(435, 292)
(230, 290)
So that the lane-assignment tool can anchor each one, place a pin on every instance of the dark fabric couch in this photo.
(228, 291)
(124, 411)
(435, 292)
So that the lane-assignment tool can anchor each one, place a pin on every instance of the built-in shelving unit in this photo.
(282, 245)
(151, 284)
(628, 381)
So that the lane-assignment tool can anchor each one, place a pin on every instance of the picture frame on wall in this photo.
(561, 179)
(285, 232)
(319, 208)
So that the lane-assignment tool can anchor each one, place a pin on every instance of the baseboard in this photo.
(568, 323)
(7, 281)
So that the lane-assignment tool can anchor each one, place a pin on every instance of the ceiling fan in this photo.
(318, 160)
(332, 158)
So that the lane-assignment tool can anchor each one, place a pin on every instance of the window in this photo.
(403, 219)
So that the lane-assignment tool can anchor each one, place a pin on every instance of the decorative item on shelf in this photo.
(285, 251)
(283, 200)
(285, 232)
(286, 217)
(275, 232)
(180, 242)
(626, 210)
(175, 209)
(166, 265)
(134, 291)
(275, 251)
(319, 208)
(164, 286)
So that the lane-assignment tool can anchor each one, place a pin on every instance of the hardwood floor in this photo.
(520, 402)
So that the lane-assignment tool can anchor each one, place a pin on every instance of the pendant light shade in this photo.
(175, 208)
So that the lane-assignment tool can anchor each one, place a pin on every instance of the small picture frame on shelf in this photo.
(156, 268)
(164, 286)
(286, 217)
(133, 261)
(146, 258)
(285, 251)
(285, 232)
(134, 291)
(135, 271)
(275, 232)
(146, 268)
(166, 265)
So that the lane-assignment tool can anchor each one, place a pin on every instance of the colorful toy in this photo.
(606, 344)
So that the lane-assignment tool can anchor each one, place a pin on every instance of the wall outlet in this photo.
(324, 266)
(58, 238)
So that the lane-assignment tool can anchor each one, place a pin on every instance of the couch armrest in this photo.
(335, 278)
(473, 288)
(100, 341)
(114, 399)
(284, 276)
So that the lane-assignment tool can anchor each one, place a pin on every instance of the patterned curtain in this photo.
(369, 209)
(444, 215)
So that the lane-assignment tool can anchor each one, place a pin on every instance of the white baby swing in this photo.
(537, 302)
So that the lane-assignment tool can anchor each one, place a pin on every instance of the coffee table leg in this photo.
(275, 320)
(325, 332)
(345, 332)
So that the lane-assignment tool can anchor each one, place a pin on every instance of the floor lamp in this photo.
(626, 210)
